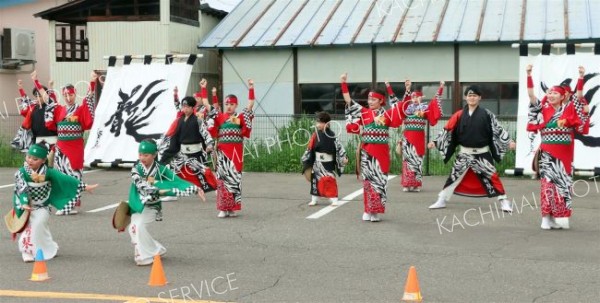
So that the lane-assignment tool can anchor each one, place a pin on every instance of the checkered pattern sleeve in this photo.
(579, 104)
(20, 189)
(438, 98)
(191, 190)
(247, 115)
(71, 204)
(90, 100)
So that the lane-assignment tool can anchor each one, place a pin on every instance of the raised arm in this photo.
(204, 91)
(51, 92)
(392, 96)
(251, 97)
(215, 99)
(408, 91)
(176, 102)
(345, 92)
(89, 104)
(247, 114)
(532, 99)
(24, 101)
(440, 90)
(580, 86)
(39, 87)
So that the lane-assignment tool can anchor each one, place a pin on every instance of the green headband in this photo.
(147, 147)
(38, 151)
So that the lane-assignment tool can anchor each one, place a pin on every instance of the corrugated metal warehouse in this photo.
(296, 50)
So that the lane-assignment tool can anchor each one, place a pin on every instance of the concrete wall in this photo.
(272, 72)
(416, 62)
(325, 65)
(488, 63)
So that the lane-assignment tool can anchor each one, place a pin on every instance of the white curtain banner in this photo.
(550, 70)
(136, 104)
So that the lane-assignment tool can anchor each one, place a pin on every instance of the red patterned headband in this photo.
(558, 89)
(376, 95)
(68, 91)
(231, 99)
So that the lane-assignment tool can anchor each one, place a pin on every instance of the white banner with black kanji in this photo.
(550, 70)
(136, 104)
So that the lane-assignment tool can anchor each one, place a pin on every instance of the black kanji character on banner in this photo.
(138, 111)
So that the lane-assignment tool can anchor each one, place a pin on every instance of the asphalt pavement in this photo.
(467, 252)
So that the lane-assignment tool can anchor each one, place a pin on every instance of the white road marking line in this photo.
(341, 202)
(85, 172)
(103, 208)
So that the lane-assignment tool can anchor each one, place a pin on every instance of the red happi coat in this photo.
(70, 139)
(390, 118)
(414, 127)
(549, 129)
(230, 141)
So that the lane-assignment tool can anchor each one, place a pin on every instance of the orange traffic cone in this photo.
(40, 272)
(411, 290)
(157, 274)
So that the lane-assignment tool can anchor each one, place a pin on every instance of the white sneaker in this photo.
(548, 223)
(506, 205)
(312, 203)
(417, 189)
(335, 203)
(168, 198)
(222, 214)
(375, 218)
(60, 212)
(28, 258)
(545, 222)
(231, 213)
(145, 262)
(562, 222)
(440, 203)
(366, 217)
(404, 189)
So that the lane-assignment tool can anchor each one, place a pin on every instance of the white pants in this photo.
(145, 247)
(37, 236)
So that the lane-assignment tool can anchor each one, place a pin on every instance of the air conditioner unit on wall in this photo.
(18, 44)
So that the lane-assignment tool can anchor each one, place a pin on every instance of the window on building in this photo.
(500, 98)
(71, 43)
(185, 11)
(328, 97)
